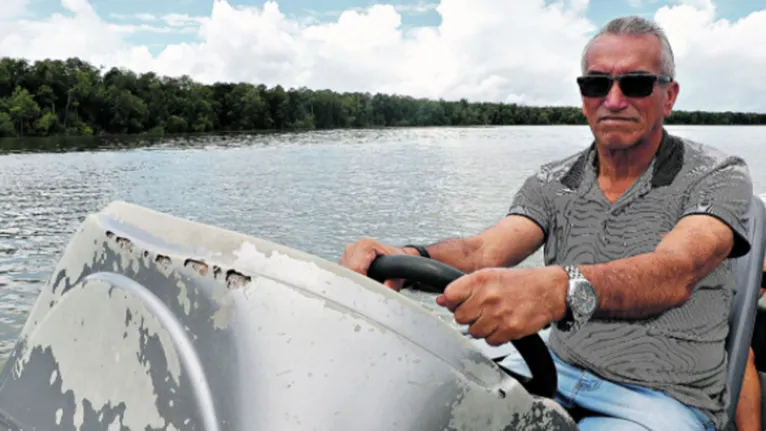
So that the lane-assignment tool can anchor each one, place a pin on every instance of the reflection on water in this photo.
(312, 191)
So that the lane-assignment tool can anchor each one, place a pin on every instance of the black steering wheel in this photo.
(437, 276)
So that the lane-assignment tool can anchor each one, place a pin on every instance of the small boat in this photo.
(151, 321)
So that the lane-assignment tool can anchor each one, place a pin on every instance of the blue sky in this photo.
(414, 12)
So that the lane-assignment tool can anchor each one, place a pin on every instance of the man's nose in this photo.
(615, 100)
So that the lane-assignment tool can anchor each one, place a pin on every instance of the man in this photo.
(637, 230)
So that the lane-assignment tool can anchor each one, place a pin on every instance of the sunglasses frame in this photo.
(661, 79)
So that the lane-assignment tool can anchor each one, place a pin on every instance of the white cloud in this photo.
(183, 20)
(12, 9)
(147, 17)
(419, 7)
(520, 51)
(720, 63)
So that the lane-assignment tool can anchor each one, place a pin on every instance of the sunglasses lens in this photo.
(637, 86)
(594, 86)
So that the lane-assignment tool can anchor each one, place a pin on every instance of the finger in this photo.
(483, 327)
(456, 293)
(360, 261)
(513, 329)
(498, 337)
(359, 255)
(468, 312)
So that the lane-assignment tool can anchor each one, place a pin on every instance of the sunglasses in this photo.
(631, 85)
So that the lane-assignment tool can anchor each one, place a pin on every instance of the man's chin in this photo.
(618, 139)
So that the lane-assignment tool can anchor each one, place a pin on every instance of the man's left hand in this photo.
(502, 304)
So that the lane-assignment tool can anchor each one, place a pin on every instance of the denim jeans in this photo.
(624, 407)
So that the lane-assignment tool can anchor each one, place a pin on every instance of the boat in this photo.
(152, 321)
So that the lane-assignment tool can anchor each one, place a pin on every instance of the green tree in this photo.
(23, 109)
(51, 97)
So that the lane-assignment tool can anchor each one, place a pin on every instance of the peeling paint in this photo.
(253, 331)
(236, 280)
(198, 265)
(67, 339)
(183, 296)
(222, 317)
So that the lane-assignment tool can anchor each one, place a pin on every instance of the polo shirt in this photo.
(682, 350)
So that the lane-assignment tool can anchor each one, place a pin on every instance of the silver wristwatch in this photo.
(581, 297)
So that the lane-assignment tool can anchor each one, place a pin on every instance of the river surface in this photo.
(312, 191)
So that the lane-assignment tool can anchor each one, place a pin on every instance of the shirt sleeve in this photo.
(725, 192)
(530, 202)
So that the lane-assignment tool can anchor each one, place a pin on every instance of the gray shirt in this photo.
(681, 351)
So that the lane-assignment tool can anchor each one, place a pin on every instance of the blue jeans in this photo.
(624, 407)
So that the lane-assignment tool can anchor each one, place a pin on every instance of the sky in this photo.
(520, 51)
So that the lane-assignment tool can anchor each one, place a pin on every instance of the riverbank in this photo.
(74, 98)
(65, 144)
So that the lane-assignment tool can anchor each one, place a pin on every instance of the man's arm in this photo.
(507, 243)
(648, 284)
(710, 229)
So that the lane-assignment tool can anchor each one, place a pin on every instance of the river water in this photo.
(312, 191)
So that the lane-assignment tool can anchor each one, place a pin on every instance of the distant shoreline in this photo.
(54, 98)
(256, 132)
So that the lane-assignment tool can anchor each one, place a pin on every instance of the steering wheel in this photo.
(438, 275)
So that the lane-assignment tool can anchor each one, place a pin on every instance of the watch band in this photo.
(422, 250)
(573, 272)
(567, 322)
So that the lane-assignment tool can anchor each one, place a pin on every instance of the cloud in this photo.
(404, 8)
(12, 9)
(496, 50)
(183, 20)
(147, 17)
(720, 63)
(174, 23)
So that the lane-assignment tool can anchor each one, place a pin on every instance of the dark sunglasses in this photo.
(631, 85)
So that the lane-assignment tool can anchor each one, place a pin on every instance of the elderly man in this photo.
(637, 230)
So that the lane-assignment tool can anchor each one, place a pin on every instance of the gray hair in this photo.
(635, 25)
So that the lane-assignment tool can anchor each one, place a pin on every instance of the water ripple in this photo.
(312, 191)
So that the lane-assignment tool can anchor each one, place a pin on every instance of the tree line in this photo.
(73, 97)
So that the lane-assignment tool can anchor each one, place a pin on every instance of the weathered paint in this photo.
(153, 321)
(69, 334)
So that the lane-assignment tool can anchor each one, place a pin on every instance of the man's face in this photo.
(618, 121)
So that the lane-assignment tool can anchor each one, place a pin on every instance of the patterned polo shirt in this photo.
(681, 351)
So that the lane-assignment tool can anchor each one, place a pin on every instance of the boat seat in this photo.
(748, 272)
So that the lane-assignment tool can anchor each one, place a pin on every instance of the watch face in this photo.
(583, 298)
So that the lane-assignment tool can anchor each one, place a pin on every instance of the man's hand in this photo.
(501, 304)
(359, 255)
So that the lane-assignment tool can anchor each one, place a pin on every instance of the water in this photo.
(313, 191)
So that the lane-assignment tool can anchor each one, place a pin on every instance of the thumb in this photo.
(394, 284)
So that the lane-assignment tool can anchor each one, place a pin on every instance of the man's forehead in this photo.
(624, 53)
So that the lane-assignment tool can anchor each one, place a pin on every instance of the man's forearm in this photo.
(641, 286)
(505, 244)
(464, 254)
(649, 284)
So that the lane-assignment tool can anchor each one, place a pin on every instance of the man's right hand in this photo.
(359, 255)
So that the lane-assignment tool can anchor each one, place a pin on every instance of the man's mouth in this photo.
(616, 118)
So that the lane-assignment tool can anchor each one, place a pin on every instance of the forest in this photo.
(75, 98)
